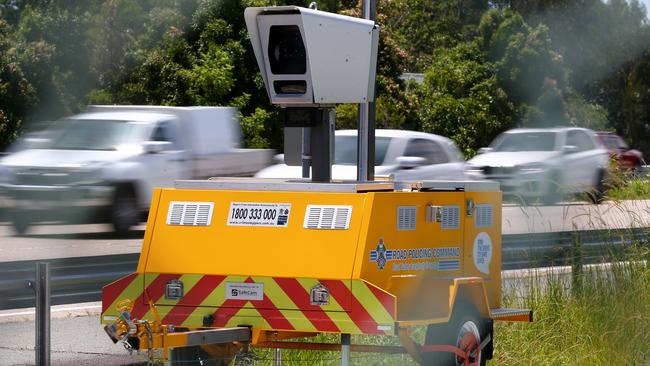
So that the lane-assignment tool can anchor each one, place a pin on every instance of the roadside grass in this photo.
(604, 321)
(630, 189)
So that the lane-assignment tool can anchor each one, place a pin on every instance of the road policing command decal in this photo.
(259, 214)
(482, 252)
(416, 259)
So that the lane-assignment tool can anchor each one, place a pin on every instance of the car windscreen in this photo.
(525, 141)
(78, 134)
(345, 152)
(612, 142)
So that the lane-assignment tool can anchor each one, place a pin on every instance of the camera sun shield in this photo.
(310, 57)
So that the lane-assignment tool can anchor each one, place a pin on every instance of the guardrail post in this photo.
(345, 349)
(42, 314)
(577, 255)
(277, 357)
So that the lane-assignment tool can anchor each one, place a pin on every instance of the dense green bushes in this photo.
(489, 65)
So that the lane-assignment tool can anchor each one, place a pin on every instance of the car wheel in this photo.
(553, 192)
(638, 170)
(124, 210)
(597, 194)
(466, 330)
(20, 221)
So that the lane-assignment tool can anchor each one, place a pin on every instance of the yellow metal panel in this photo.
(417, 255)
(290, 251)
(486, 240)
(151, 220)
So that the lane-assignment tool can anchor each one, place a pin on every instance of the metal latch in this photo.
(319, 295)
(469, 207)
(434, 213)
(174, 290)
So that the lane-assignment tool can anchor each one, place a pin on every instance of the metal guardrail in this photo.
(81, 279)
(565, 248)
(72, 280)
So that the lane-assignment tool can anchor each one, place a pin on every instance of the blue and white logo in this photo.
(380, 254)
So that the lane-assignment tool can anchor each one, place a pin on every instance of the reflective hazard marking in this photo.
(259, 214)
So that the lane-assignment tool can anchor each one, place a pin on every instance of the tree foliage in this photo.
(489, 64)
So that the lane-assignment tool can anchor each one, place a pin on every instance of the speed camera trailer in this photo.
(228, 264)
(309, 57)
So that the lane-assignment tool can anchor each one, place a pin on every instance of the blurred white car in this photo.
(544, 163)
(102, 165)
(407, 155)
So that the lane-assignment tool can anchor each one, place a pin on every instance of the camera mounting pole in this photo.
(366, 132)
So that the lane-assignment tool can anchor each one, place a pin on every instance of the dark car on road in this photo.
(628, 159)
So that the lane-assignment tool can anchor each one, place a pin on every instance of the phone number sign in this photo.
(259, 214)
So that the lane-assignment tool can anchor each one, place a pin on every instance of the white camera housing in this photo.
(309, 57)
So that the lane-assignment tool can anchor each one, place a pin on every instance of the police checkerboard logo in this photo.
(380, 254)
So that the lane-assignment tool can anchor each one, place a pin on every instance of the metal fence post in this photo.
(576, 264)
(42, 314)
(277, 357)
(345, 349)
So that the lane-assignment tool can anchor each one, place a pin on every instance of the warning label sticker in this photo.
(244, 291)
(259, 214)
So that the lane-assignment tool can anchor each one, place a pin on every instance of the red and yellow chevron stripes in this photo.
(355, 306)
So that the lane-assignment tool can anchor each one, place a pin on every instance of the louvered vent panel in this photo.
(175, 214)
(327, 217)
(450, 217)
(342, 219)
(313, 217)
(484, 216)
(406, 216)
(203, 215)
(190, 213)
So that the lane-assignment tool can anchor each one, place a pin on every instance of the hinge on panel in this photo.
(434, 213)
(469, 207)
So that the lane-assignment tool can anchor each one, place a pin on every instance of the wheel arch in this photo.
(470, 291)
(438, 298)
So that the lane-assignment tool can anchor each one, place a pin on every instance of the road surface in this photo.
(62, 241)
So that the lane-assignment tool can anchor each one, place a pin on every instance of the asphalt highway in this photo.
(63, 241)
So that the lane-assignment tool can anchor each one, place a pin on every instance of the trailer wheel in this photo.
(466, 330)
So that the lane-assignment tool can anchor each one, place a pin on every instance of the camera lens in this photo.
(286, 50)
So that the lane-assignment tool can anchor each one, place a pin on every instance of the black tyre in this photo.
(20, 221)
(466, 330)
(597, 194)
(553, 192)
(637, 172)
(124, 212)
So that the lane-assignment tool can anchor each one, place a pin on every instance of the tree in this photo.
(461, 99)
(527, 68)
(419, 27)
(17, 94)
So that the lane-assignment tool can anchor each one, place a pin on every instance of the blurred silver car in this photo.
(544, 163)
(406, 155)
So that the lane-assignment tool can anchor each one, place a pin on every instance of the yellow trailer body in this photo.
(298, 258)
